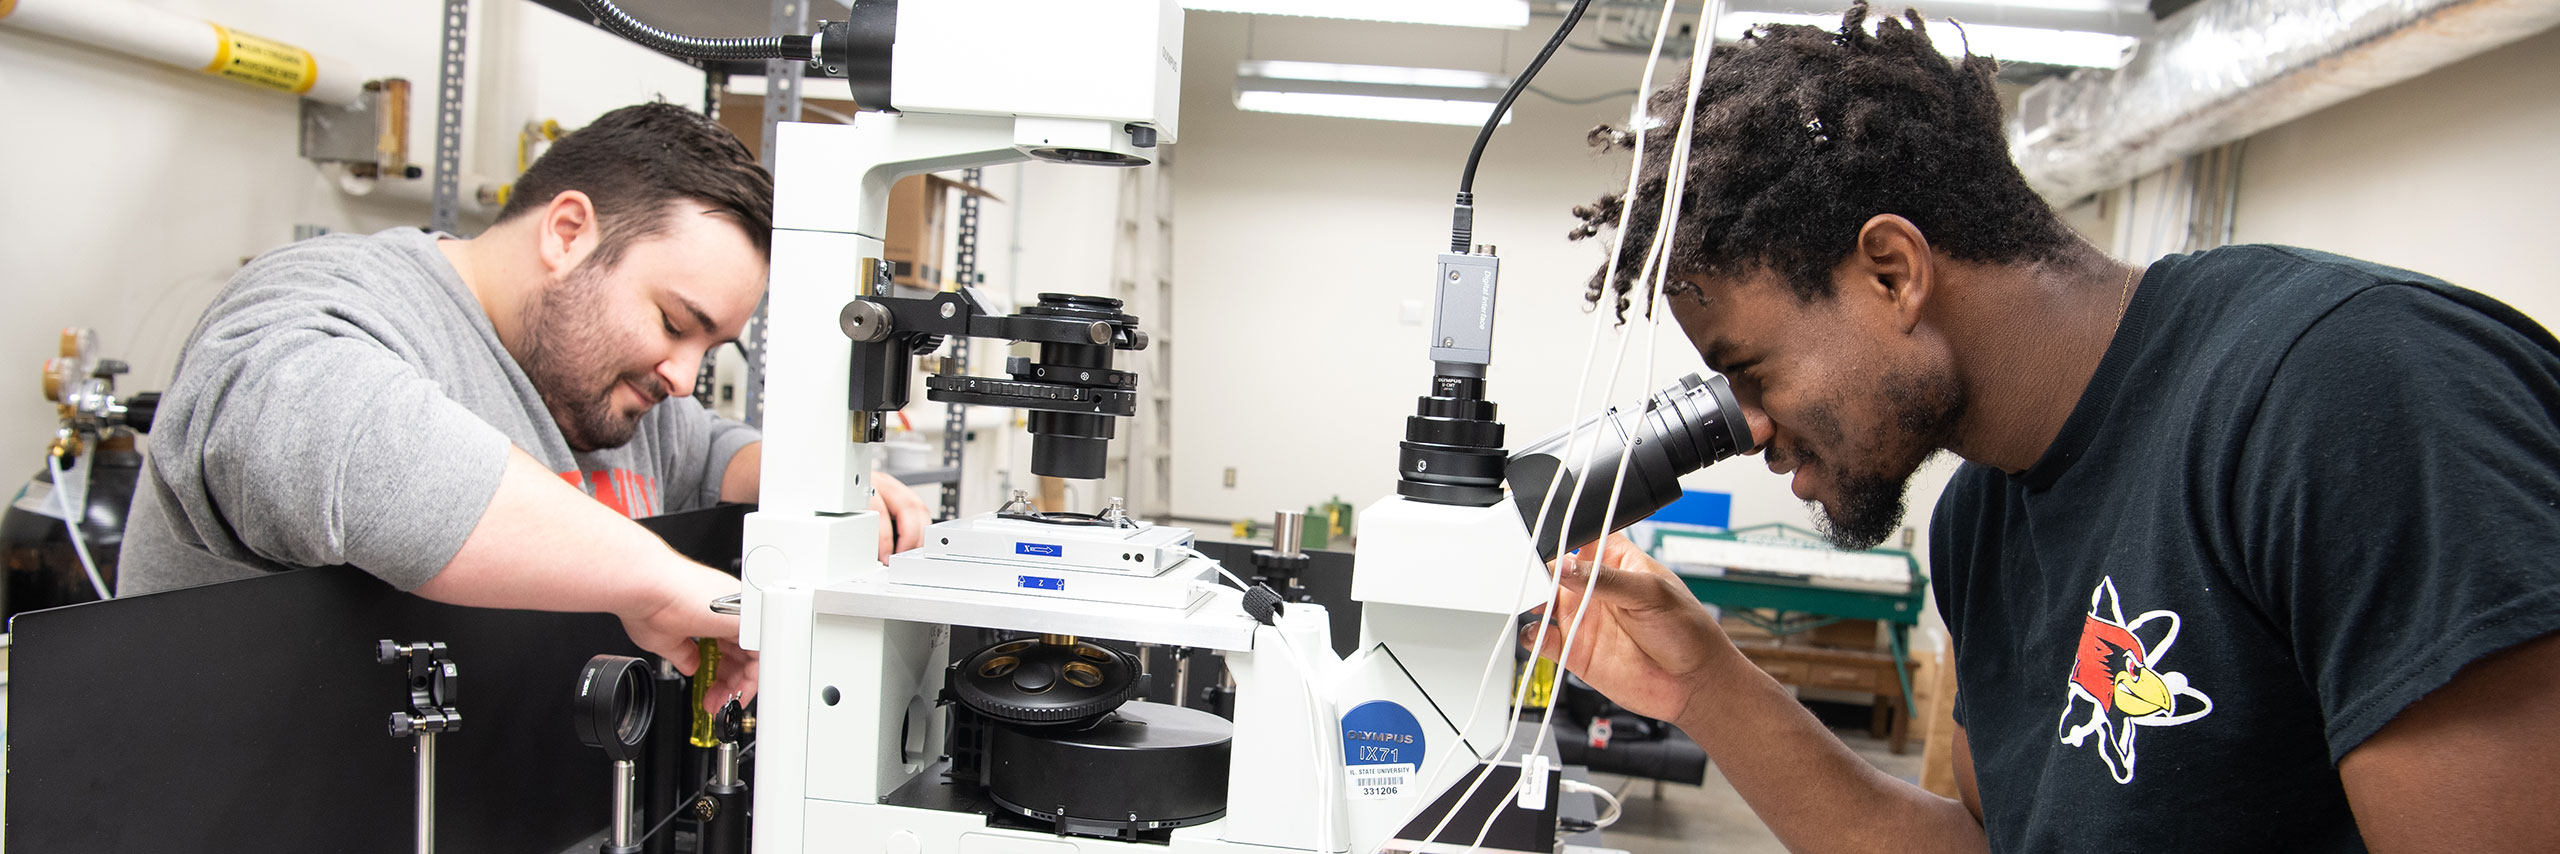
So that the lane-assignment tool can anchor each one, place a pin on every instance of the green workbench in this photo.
(1801, 605)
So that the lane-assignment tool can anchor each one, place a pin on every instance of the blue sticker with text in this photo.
(1036, 582)
(1381, 750)
(1041, 549)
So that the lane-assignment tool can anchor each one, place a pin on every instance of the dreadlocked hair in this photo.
(1801, 136)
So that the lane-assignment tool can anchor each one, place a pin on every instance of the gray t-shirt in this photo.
(345, 401)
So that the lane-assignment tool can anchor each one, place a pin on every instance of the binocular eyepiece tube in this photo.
(1691, 425)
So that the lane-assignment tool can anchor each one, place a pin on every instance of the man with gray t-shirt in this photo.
(477, 421)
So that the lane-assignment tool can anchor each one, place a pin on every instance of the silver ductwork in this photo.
(2223, 70)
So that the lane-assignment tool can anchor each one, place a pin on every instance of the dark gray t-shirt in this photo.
(2300, 493)
(345, 401)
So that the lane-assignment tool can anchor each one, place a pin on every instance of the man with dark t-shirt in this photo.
(2254, 549)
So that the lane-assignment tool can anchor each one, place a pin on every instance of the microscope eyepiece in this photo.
(1689, 426)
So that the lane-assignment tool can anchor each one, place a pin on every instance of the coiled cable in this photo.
(611, 17)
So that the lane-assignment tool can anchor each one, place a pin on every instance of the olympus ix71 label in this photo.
(1381, 751)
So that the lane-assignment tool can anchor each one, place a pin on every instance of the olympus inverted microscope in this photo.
(875, 738)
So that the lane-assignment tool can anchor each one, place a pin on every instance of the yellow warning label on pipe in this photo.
(261, 61)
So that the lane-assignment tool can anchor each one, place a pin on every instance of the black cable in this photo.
(1462, 220)
(612, 17)
(1604, 96)
(1467, 182)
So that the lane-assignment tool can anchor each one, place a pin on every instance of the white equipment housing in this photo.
(852, 652)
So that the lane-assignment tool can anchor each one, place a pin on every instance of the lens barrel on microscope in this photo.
(1691, 425)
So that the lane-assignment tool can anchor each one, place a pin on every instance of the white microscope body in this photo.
(852, 653)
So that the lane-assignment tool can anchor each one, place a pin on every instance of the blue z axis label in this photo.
(1036, 582)
(1041, 549)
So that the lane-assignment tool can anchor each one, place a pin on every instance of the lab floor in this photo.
(1712, 818)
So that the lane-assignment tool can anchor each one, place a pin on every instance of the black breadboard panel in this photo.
(250, 716)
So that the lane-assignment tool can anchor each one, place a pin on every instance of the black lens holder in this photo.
(616, 699)
(1452, 448)
(1071, 389)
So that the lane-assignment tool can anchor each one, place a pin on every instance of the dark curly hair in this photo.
(635, 161)
(1801, 136)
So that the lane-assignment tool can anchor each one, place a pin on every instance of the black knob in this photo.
(139, 410)
(731, 724)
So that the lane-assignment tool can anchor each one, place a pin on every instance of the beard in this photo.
(1870, 506)
(568, 356)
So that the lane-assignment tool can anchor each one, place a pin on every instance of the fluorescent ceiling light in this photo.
(1456, 80)
(1385, 92)
(2008, 44)
(1468, 113)
(1497, 14)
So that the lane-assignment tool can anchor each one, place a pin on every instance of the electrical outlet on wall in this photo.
(1231, 477)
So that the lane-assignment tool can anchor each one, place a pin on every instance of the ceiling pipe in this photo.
(187, 42)
(2224, 70)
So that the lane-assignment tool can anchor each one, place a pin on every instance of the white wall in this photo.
(1297, 239)
(2451, 174)
(134, 190)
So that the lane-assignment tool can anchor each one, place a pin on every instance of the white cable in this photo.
(1505, 637)
(1573, 437)
(831, 115)
(1617, 808)
(1316, 717)
(1656, 266)
(71, 514)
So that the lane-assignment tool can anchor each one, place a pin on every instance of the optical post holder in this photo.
(723, 807)
(1072, 390)
(613, 708)
(435, 685)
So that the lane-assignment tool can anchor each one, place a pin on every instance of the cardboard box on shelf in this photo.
(918, 208)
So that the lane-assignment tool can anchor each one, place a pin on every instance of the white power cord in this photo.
(72, 511)
(1616, 807)
(1573, 441)
(1656, 263)
(1316, 716)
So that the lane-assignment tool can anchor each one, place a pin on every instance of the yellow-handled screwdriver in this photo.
(703, 675)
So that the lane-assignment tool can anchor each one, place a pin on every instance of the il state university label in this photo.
(1382, 750)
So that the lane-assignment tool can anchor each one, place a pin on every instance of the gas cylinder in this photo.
(96, 444)
(42, 569)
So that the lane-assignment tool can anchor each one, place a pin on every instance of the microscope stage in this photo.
(1181, 587)
(1141, 549)
(1140, 564)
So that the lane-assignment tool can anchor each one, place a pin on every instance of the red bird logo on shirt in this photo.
(2116, 685)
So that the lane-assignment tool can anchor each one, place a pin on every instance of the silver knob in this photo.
(864, 321)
